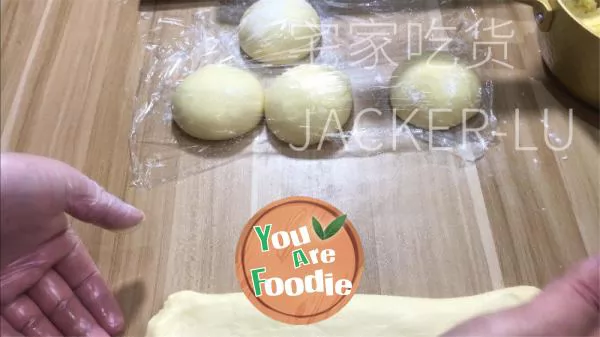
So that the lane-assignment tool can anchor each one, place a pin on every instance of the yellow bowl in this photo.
(570, 42)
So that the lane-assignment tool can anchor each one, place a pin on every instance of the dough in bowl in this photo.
(189, 313)
(218, 102)
(279, 31)
(436, 83)
(587, 11)
(299, 104)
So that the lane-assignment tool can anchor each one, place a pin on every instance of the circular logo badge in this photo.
(299, 260)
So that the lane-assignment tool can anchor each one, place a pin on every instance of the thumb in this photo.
(567, 307)
(570, 306)
(37, 186)
(87, 201)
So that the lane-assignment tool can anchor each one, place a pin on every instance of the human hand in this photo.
(567, 307)
(49, 285)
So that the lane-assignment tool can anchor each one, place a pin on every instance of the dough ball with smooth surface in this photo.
(218, 102)
(437, 83)
(299, 103)
(279, 31)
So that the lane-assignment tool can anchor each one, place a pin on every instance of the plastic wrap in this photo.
(365, 40)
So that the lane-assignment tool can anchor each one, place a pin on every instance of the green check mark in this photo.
(332, 229)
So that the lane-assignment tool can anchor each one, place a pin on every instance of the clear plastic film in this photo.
(365, 41)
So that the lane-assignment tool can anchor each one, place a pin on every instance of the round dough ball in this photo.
(279, 31)
(218, 102)
(439, 83)
(311, 91)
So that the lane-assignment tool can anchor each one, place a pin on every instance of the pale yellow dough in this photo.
(587, 11)
(436, 83)
(191, 314)
(218, 102)
(279, 31)
(319, 92)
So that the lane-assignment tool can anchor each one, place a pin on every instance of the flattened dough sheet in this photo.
(191, 314)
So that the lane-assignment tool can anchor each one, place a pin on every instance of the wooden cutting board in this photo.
(431, 224)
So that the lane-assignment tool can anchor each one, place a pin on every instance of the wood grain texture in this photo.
(430, 224)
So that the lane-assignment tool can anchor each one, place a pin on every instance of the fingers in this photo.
(582, 283)
(23, 273)
(87, 201)
(25, 316)
(80, 273)
(30, 181)
(571, 304)
(56, 299)
(567, 307)
(97, 298)
(6, 330)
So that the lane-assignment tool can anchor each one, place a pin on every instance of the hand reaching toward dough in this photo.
(49, 285)
(567, 307)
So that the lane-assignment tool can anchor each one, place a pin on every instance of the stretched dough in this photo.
(187, 314)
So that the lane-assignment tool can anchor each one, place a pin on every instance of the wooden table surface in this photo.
(431, 224)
